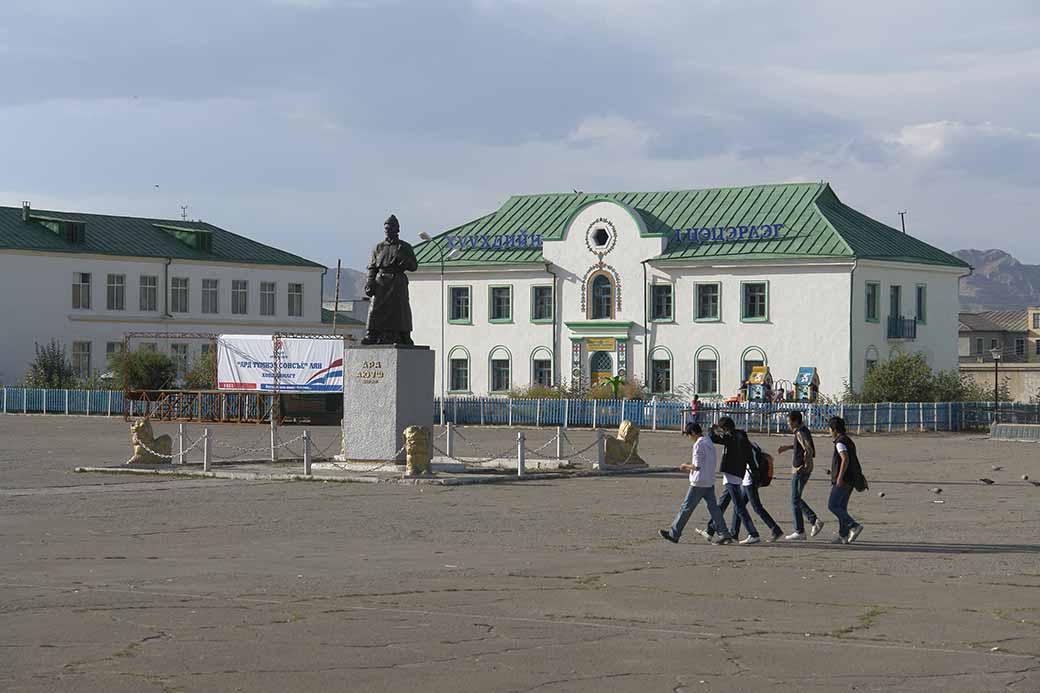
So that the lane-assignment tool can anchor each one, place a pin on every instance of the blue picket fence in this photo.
(586, 413)
(752, 416)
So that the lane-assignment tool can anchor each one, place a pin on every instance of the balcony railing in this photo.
(902, 328)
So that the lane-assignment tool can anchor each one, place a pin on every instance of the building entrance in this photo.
(601, 367)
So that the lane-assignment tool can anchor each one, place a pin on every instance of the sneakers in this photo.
(666, 534)
(749, 540)
(722, 541)
(777, 533)
(839, 540)
(704, 533)
(816, 528)
(854, 533)
(795, 536)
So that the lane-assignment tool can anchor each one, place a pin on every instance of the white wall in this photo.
(36, 303)
(937, 337)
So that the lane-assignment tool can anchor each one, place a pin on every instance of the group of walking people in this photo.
(745, 467)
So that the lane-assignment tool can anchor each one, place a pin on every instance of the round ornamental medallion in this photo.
(601, 236)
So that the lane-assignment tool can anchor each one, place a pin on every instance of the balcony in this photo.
(902, 328)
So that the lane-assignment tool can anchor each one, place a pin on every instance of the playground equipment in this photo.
(760, 384)
(807, 384)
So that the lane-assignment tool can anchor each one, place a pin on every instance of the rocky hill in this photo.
(351, 284)
(998, 282)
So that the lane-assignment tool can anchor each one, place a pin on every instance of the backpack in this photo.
(762, 473)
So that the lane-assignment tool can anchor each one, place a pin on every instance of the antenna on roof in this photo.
(184, 212)
(902, 220)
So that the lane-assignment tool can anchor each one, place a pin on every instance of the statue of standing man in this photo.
(390, 315)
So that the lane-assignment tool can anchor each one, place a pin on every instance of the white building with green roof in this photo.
(685, 291)
(87, 279)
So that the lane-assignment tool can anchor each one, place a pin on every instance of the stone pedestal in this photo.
(385, 389)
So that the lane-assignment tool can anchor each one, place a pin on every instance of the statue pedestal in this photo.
(386, 388)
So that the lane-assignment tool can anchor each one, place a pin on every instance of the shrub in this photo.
(143, 369)
(623, 389)
(200, 375)
(909, 378)
(50, 368)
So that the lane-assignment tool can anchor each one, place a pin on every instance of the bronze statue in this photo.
(390, 315)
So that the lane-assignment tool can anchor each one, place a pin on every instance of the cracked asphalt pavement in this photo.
(138, 584)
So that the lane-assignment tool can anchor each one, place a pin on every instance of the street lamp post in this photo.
(426, 237)
(996, 354)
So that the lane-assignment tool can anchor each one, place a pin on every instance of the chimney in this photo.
(26, 209)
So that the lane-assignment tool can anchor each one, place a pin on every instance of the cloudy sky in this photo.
(303, 123)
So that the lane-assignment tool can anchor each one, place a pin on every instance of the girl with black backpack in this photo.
(846, 475)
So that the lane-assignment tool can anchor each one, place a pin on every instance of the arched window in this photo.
(752, 358)
(661, 371)
(872, 358)
(601, 366)
(601, 297)
(541, 367)
(500, 368)
(458, 370)
(706, 368)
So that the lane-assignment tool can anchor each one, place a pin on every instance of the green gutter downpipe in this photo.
(646, 332)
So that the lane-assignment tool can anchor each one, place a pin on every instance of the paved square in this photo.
(134, 584)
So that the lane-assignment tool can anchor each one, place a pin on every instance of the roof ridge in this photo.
(756, 186)
(33, 211)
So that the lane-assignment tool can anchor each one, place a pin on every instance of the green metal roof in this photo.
(342, 319)
(816, 224)
(138, 237)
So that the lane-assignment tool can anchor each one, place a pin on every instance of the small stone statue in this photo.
(417, 451)
(145, 444)
(390, 315)
(623, 451)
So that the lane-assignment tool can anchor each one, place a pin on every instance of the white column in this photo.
(307, 453)
(520, 453)
(206, 461)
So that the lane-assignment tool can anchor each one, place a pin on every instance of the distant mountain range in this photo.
(351, 284)
(998, 282)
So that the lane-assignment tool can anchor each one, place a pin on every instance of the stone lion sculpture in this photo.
(623, 451)
(417, 451)
(145, 444)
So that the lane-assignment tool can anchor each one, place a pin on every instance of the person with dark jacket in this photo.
(749, 487)
(737, 458)
(846, 475)
(804, 452)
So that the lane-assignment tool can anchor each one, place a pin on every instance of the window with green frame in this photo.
(460, 302)
(661, 305)
(707, 372)
(500, 304)
(707, 302)
(458, 366)
(873, 295)
(754, 301)
(921, 303)
(541, 304)
(500, 371)
(660, 373)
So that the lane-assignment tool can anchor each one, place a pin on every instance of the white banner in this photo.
(246, 362)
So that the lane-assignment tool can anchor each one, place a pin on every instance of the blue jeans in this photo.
(839, 505)
(798, 482)
(693, 497)
(733, 492)
(751, 496)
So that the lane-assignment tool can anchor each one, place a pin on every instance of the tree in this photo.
(200, 375)
(909, 378)
(50, 368)
(144, 369)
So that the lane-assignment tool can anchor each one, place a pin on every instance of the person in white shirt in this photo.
(702, 470)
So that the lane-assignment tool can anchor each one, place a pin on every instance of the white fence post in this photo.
(594, 409)
(449, 439)
(509, 414)
(455, 410)
(889, 417)
(180, 443)
(906, 417)
(559, 442)
(110, 403)
(537, 413)
(5, 400)
(481, 412)
(520, 451)
(653, 415)
(601, 450)
(206, 461)
(875, 417)
(274, 435)
(566, 409)
(66, 402)
(306, 452)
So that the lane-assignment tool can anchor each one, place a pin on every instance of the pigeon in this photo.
(936, 490)
(986, 481)
(1034, 483)
(881, 494)
(996, 468)
(1025, 477)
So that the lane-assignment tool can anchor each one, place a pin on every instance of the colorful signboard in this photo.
(246, 362)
